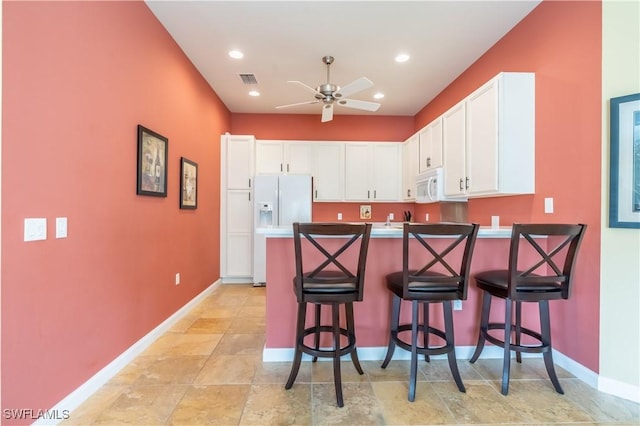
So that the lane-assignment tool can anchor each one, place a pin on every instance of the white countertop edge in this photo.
(394, 231)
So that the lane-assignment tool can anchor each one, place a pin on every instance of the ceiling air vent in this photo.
(248, 79)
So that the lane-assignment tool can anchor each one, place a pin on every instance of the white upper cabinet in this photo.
(283, 157)
(410, 151)
(238, 165)
(431, 146)
(328, 171)
(494, 152)
(372, 171)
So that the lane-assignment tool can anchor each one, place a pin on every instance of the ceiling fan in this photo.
(329, 94)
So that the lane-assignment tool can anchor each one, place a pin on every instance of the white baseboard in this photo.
(619, 389)
(82, 393)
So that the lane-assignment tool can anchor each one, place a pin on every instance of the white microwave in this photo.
(430, 186)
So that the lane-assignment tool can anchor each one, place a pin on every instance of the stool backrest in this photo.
(557, 248)
(333, 267)
(441, 263)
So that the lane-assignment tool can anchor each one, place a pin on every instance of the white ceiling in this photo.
(286, 40)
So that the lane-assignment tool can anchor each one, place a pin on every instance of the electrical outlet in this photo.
(61, 227)
(426, 217)
(35, 229)
(339, 216)
(177, 278)
(390, 216)
(457, 305)
(548, 205)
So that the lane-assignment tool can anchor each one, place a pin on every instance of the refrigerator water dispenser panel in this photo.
(266, 214)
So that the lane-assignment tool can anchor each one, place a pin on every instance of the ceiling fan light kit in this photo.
(328, 93)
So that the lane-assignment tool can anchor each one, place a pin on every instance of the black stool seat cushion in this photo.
(328, 282)
(498, 279)
(441, 283)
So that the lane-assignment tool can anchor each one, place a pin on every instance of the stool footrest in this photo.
(541, 348)
(327, 353)
(429, 350)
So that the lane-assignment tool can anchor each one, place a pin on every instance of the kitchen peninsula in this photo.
(372, 314)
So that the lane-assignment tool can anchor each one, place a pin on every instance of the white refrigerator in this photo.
(280, 200)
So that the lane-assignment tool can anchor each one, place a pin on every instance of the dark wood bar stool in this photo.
(336, 279)
(549, 276)
(443, 278)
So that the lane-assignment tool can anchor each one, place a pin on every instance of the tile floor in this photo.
(207, 370)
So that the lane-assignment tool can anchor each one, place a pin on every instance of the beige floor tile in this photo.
(322, 371)
(214, 310)
(174, 370)
(270, 404)
(438, 369)
(427, 408)
(361, 407)
(142, 405)
(481, 403)
(243, 325)
(211, 405)
(184, 323)
(240, 344)
(250, 311)
(209, 326)
(600, 406)
(256, 300)
(228, 369)
(89, 411)
(396, 371)
(491, 369)
(538, 401)
(278, 373)
(175, 344)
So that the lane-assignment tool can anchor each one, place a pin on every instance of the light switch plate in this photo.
(35, 229)
(61, 227)
(548, 205)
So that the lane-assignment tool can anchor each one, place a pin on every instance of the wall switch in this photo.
(339, 216)
(61, 227)
(35, 229)
(426, 217)
(390, 216)
(177, 279)
(548, 205)
(457, 305)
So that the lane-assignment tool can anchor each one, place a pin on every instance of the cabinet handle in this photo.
(249, 182)
(316, 193)
(368, 194)
(374, 194)
(249, 194)
(466, 183)
(428, 161)
(280, 166)
(287, 168)
(408, 193)
(461, 189)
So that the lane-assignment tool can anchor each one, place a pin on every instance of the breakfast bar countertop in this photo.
(381, 230)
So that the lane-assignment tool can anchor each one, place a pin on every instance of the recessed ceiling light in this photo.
(378, 95)
(403, 57)
(236, 54)
(254, 93)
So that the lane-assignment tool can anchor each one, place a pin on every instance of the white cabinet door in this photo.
(238, 254)
(239, 210)
(238, 265)
(269, 157)
(410, 154)
(297, 158)
(453, 132)
(274, 157)
(372, 171)
(357, 171)
(328, 171)
(385, 173)
(431, 146)
(239, 161)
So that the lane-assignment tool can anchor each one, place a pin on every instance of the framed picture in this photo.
(624, 182)
(152, 163)
(188, 184)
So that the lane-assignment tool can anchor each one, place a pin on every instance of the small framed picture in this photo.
(152, 163)
(188, 184)
(365, 212)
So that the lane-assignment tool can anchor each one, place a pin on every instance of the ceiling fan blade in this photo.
(353, 87)
(304, 86)
(297, 104)
(353, 103)
(327, 112)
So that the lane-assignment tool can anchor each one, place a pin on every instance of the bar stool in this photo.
(443, 278)
(554, 256)
(334, 279)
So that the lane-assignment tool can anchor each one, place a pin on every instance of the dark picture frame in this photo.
(188, 184)
(153, 150)
(624, 155)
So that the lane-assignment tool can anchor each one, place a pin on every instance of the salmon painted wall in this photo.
(561, 43)
(78, 77)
